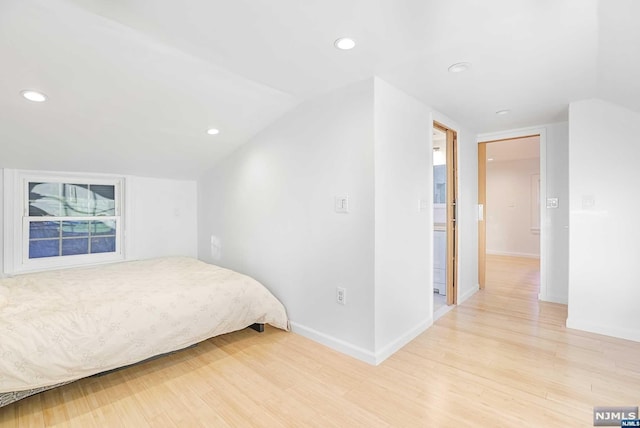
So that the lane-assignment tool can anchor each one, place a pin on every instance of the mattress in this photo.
(60, 326)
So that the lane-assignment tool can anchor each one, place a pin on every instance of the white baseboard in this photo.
(398, 343)
(470, 292)
(356, 351)
(441, 312)
(334, 343)
(622, 333)
(513, 254)
(553, 299)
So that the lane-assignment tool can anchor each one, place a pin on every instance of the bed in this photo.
(64, 325)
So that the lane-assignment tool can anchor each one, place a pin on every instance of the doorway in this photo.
(445, 239)
(509, 195)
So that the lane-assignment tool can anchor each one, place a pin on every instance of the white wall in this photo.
(556, 224)
(403, 233)
(161, 218)
(268, 211)
(605, 234)
(270, 208)
(509, 208)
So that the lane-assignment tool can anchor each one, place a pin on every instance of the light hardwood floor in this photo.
(500, 359)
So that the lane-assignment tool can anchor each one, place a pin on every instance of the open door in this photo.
(482, 197)
(482, 203)
(451, 213)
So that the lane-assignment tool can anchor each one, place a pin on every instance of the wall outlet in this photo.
(341, 295)
(552, 202)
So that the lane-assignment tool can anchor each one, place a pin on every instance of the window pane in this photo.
(105, 200)
(75, 200)
(107, 227)
(103, 245)
(75, 228)
(44, 199)
(73, 246)
(71, 200)
(44, 229)
(44, 248)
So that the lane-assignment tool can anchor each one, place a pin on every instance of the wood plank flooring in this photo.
(500, 359)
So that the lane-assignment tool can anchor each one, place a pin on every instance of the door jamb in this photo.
(452, 212)
(482, 213)
(521, 133)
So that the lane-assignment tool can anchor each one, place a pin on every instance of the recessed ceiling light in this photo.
(345, 43)
(490, 159)
(459, 67)
(35, 96)
(503, 112)
(213, 131)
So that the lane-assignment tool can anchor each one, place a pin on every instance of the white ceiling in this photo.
(133, 85)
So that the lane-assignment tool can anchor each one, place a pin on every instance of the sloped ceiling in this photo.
(619, 53)
(133, 85)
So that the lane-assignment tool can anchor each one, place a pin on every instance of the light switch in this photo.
(342, 204)
(588, 202)
(552, 202)
(423, 205)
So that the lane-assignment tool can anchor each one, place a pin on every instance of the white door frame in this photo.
(524, 132)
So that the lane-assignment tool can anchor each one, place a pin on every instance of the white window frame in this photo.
(16, 221)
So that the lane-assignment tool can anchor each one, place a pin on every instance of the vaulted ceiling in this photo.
(134, 85)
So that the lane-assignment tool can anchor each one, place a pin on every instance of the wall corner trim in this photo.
(401, 341)
(621, 333)
(467, 294)
(552, 299)
(358, 352)
(334, 343)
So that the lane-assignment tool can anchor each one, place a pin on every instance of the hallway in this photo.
(521, 361)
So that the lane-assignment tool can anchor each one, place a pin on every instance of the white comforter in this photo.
(64, 325)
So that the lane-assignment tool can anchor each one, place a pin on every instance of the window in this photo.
(66, 220)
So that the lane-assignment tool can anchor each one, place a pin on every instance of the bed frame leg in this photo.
(257, 327)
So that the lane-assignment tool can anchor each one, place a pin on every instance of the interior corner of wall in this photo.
(467, 294)
(396, 344)
(332, 342)
(544, 297)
